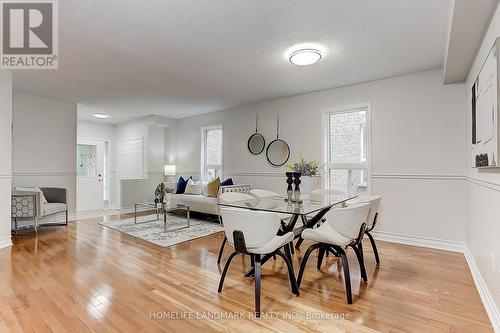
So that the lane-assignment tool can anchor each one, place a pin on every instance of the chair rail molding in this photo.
(417, 176)
(45, 174)
(484, 183)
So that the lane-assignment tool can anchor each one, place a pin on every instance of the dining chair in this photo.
(374, 202)
(228, 197)
(261, 193)
(254, 233)
(344, 227)
(327, 191)
(318, 192)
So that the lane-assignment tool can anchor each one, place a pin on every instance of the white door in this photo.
(89, 181)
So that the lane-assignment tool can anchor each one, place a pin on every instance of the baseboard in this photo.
(433, 243)
(5, 242)
(484, 293)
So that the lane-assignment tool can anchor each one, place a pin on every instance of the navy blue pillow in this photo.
(181, 185)
(227, 182)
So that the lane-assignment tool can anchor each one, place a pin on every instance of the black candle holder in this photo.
(296, 181)
(289, 190)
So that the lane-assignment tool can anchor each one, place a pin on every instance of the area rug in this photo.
(153, 231)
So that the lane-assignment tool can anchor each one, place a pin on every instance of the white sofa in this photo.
(204, 204)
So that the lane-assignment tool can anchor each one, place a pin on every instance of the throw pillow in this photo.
(227, 182)
(181, 185)
(213, 187)
(193, 187)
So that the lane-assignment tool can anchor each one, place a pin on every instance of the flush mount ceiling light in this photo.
(100, 116)
(305, 57)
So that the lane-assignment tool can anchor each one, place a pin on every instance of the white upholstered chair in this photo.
(374, 202)
(317, 193)
(228, 197)
(327, 191)
(254, 233)
(343, 227)
(259, 193)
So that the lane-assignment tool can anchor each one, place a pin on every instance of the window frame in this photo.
(365, 165)
(204, 166)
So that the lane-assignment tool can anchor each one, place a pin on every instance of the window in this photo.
(211, 152)
(347, 150)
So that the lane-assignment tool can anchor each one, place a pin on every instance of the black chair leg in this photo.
(361, 263)
(257, 286)
(360, 247)
(374, 246)
(292, 251)
(221, 250)
(252, 261)
(299, 242)
(291, 274)
(347, 276)
(224, 272)
(321, 254)
(304, 261)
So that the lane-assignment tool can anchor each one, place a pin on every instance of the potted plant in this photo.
(310, 171)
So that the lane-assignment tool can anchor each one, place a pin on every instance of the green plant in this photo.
(306, 168)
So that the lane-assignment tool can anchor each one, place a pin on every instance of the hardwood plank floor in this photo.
(86, 278)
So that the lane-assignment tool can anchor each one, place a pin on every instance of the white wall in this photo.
(417, 147)
(6, 153)
(103, 132)
(156, 132)
(483, 190)
(44, 144)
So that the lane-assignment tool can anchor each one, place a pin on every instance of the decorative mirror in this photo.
(278, 151)
(256, 142)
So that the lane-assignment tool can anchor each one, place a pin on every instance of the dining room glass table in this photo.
(309, 211)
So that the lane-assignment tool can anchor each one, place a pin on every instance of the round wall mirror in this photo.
(278, 151)
(256, 143)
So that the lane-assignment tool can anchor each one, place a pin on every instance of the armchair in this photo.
(37, 203)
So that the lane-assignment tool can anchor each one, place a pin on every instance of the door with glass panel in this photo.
(91, 184)
(347, 150)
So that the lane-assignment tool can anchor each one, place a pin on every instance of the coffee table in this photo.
(163, 209)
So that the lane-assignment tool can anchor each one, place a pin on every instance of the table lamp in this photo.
(170, 170)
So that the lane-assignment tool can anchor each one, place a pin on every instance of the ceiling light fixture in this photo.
(100, 115)
(305, 57)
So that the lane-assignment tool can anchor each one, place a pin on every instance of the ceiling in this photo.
(181, 58)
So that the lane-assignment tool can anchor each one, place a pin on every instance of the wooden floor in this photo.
(86, 277)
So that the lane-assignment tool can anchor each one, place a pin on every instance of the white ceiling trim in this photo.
(468, 21)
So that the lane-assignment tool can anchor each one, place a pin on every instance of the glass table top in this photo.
(278, 204)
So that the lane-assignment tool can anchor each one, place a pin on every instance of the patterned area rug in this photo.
(153, 231)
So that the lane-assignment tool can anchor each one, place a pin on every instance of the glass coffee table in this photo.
(161, 209)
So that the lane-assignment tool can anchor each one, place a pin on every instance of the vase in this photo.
(308, 185)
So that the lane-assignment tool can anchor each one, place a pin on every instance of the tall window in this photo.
(346, 152)
(211, 152)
